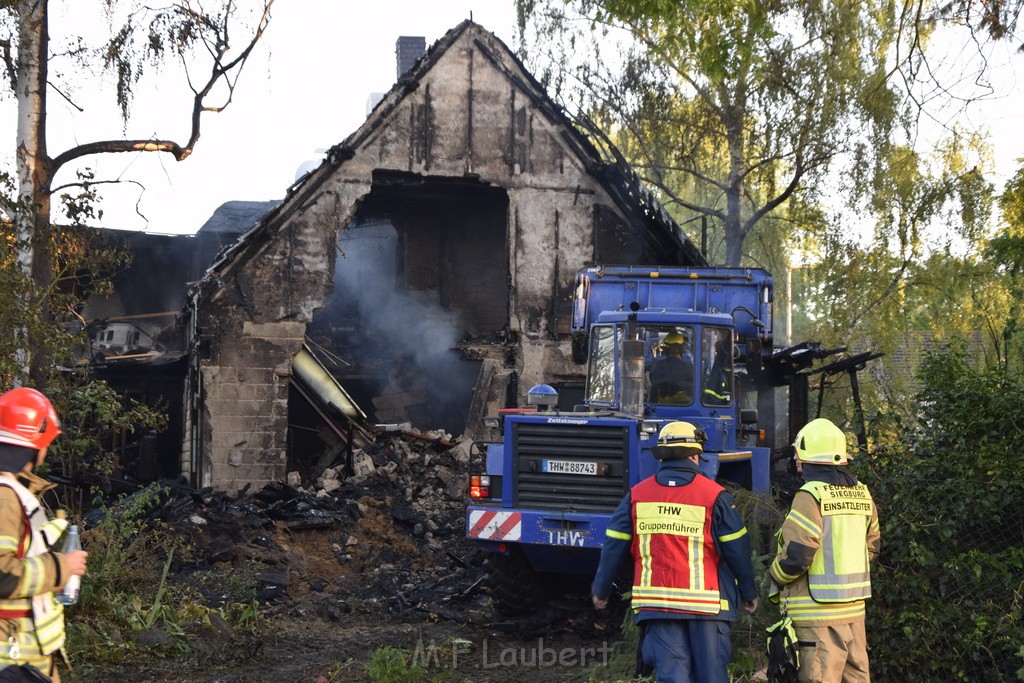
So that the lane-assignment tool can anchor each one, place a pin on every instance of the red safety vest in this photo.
(676, 561)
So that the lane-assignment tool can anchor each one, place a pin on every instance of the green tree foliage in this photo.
(47, 313)
(909, 271)
(92, 416)
(1006, 251)
(81, 263)
(733, 109)
(947, 590)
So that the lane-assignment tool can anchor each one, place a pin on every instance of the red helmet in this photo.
(27, 418)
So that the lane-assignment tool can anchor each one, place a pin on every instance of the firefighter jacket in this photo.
(690, 549)
(821, 573)
(717, 391)
(29, 573)
(671, 380)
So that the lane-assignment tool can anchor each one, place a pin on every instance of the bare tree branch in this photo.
(221, 71)
(64, 95)
(768, 206)
(91, 183)
(696, 208)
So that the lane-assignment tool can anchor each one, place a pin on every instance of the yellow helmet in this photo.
(675, 340)
(679, 440)
(821, 443)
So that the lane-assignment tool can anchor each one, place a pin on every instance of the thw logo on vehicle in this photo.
(567, 538)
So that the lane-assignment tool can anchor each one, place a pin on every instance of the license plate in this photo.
(570, 467)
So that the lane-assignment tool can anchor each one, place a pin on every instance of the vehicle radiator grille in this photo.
(605, 445)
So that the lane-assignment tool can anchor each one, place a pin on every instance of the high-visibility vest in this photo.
(676, 561)
(839, 572)
(44, 613)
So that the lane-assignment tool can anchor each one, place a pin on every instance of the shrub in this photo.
(948, 590)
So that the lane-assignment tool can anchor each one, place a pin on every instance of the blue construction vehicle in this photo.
(542, 496)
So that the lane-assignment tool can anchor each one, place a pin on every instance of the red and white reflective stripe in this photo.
(496, 526)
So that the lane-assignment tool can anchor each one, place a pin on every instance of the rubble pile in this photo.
(342, 559)
(381, 531)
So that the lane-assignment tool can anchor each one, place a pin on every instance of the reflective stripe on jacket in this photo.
(802, 543)
(29, 573)
(676, 560)
(840, 571)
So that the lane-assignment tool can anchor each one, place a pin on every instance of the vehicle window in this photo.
(601, 373)
(716, 364)
(670, 372)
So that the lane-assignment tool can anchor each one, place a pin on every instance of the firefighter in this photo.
(31, 621)
(692, 563)
(717, 391)
(672, 373)
(821, 574)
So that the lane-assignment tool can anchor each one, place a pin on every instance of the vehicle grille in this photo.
(606, 445)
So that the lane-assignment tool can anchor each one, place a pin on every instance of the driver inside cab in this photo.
(671, 373)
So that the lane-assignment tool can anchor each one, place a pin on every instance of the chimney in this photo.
(407, 50)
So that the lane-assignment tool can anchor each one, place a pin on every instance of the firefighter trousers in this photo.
(687, 650)
(837, 653)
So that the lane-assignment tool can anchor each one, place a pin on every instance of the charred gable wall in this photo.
(493, 204)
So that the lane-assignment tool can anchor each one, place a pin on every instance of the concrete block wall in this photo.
(245, 407)
(247, 331)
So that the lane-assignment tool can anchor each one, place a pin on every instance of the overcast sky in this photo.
(305, 89)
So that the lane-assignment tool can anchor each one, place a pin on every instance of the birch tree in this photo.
(731, 108)
(145, 39)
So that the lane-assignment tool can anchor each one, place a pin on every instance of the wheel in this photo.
(515, 587)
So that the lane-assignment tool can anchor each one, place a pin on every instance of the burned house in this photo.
(134, 340)
(422, 273)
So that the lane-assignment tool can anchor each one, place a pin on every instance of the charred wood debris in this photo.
(379, 535)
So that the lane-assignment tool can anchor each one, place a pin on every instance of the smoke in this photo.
(404, 337)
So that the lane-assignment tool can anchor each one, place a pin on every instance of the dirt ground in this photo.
(444, 624)
(381, 562)
(311, 651)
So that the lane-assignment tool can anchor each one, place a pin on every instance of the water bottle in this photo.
(69, 594)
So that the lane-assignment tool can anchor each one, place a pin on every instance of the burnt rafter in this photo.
(404, 188)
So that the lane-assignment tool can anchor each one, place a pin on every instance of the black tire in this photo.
(515, 587)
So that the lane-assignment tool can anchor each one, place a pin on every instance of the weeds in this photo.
(130, 610)
(123, 552)
(388, 665)
(340, 671)
(394, 665)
